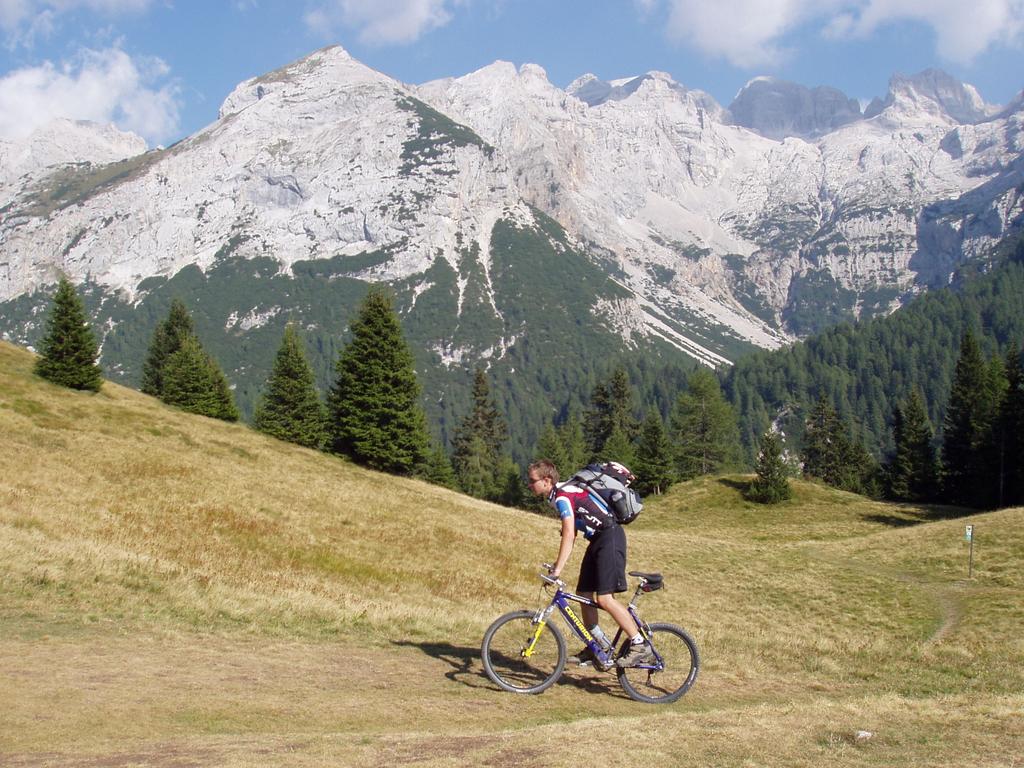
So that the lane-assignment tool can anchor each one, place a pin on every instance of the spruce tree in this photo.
(618, 447)
(964, 427)
(192, 381)
(825, 445)
(476, 469)
(611, 408)
(1011, 422)
(167, 339)
(478, 442)
(573, 443)
(831, 454)
(511, 488)
(550, 447)
(375, 414)
(68, 350)
(912, 473)
(704, 428)
(290, 408)
(653, 464)
(438, 469)
(772, 482)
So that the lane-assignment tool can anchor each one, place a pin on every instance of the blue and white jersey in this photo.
(590, 511)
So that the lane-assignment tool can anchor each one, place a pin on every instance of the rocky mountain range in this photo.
(696, 228)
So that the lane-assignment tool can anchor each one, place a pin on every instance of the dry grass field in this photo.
(176, 591)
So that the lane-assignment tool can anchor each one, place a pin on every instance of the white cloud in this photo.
(382, 21)
(963, 29)
(103, 86)
(752, 33)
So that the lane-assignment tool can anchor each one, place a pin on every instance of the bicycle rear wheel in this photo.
(506, 645)
(666, 681)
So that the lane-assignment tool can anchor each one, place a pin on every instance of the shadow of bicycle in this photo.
(464, 661)
(467, 669)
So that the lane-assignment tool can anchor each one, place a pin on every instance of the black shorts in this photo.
(603, 569)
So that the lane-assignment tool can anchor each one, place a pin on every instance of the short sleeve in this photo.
(563, 507)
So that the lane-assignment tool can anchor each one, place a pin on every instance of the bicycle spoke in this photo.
(678, 670)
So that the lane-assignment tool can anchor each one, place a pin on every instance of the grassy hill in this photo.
(180, 591)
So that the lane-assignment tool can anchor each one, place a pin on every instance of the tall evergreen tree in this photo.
(964, 427)
(653, 464)
(772, 482)
(478, 442)
(1011, 423)
(438, 469)
(704, 427)
(167, 339)
(290, 408)
(831, 454)
(825, 444)
(618, 447)
(68, 351)
(194, 382)
(511, 488)
(375, 414)
(912, 473)
(611, 408)
(573, 443)
(550, 447)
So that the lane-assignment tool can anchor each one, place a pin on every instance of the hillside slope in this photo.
(180, 591)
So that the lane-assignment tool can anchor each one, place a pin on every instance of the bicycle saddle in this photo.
(654, 580)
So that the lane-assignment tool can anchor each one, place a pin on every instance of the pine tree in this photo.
(68, 350)
(194, 382)
(167, 339)
(573, 443)
(611, 408)
(618, 447)
(912, 473)
(438, 469)
(653, 463)
(825, 445)
(375, 415)
(1011, 421)
(831, 454)
(704, 427)
(290, 408)
(964, 428)
(478, 442)
(511, 487)
(550, 447)
(772, 482)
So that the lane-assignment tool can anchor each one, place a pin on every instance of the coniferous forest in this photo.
(924, 405)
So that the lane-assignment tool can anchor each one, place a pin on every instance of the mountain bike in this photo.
(523, 652)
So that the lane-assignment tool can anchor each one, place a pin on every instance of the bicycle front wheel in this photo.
(674, 672)
(522, 656)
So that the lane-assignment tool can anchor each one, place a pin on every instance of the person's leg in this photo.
(618, 612)
(589, 612)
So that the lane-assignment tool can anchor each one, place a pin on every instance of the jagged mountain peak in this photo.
(325, 70)
(778, 108)
(655, 85)
(933, 94)
(61, 142)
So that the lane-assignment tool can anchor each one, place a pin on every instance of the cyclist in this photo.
(603, 570)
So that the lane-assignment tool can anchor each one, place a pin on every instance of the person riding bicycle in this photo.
(603, 570)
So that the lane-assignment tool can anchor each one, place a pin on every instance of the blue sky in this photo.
(162, 67)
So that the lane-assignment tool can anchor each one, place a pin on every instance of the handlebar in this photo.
(545, 575)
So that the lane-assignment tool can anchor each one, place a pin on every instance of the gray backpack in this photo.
(610, 481)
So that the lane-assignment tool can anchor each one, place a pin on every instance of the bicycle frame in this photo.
(562, 599)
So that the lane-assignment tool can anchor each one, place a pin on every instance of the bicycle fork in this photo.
(540, 619)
